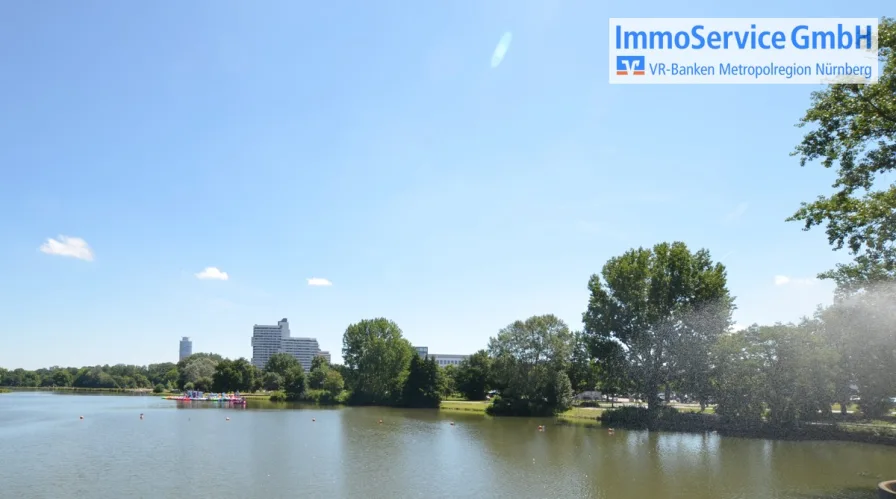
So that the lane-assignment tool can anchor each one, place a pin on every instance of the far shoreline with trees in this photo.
(658, 323)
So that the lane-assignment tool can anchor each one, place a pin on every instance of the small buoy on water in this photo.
(80, 417)
(452, 423)
(540, 428)
(313, 420)
(226, 419)
(611, 431)
(141, 415)
(381, 421)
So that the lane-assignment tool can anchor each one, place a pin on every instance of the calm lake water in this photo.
(46, 451)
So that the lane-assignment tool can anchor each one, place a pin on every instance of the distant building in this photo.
(268, 340)
(186, 348)
(422, 351)
(303, 349)
(325, 355)
(448, 360)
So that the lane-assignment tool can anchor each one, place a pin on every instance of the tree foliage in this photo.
(853, 129)
(281, 363)
(665, 307)
(529, 366)
(422, 388)
(377, 358)
(474, 376)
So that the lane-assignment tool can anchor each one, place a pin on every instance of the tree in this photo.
(423, 383)
(449, 380)
(377, 358)
(198, 365)
(204, 384)
(319, 362)
(860, 329)
(318, 375)
(281, 363)
(529, 361)
(854, 127)
(738, 379)
(272, 381)
(334, 383)
(665, 307)
(796, 372)
(61, 377)
(582, 371)
(228, 377)
(294, 382)
(474, 376)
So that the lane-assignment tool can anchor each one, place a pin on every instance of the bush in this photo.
(159, 388)
(278, 397)
(324, 397)
(639, 417)
(512, 406)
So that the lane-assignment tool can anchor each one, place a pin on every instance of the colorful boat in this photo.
(197, 396)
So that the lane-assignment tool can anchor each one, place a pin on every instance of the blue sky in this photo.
(370, 144)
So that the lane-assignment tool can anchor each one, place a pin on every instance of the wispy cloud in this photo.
(213, 273)
(74, 247)
(783, 280)
(319, 281)
(738, 212)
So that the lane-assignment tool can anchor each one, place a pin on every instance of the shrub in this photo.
(159, 388)
(278, 397)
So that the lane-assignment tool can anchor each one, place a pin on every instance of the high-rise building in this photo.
(422, 351)
(303, 349)
(325, 355)
(268, 340)
(186, 348)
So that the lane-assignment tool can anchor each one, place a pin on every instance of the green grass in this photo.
(464, 406)
(582, 413)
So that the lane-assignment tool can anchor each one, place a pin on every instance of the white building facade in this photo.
(268, 340)
(448, 360)
(186, 348)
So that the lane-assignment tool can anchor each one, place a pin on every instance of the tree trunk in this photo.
(844, 404)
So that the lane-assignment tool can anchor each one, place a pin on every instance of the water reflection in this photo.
(306, 451)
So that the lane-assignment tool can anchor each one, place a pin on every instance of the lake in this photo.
(179, 450)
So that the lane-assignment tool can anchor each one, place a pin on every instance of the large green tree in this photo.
(280, 363)
(474, 376)
(422, 388)
(530, 358)
(853, 128)
(665, 307)
(377, 358)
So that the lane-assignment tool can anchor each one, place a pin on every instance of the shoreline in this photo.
(692, 423)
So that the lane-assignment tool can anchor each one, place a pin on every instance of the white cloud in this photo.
(783, 280)
(74, 247)
(319, 281)
(738, 212)
(213, 273)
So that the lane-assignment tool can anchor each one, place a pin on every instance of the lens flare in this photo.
(501, 49)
